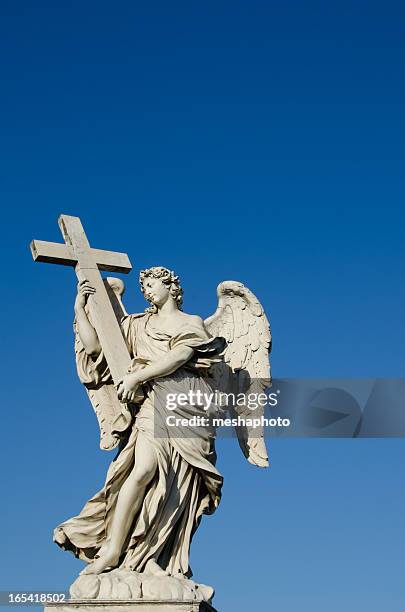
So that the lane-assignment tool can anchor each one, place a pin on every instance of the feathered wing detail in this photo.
(241, 320)
(95, 376)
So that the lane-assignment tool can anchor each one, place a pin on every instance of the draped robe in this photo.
(186, 484)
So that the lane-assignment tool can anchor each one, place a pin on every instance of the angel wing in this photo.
(241, 320)
(97, 380)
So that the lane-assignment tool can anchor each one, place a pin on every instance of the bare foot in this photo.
(100, 565)
(152, 567)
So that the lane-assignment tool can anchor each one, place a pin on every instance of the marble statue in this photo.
(135, 533)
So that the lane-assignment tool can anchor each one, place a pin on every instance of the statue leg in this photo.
(129, 501)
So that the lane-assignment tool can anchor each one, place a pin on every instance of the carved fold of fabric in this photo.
(206, 350)
(92, 372)
(186, 484)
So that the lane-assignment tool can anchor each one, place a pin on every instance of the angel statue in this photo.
(158, 487)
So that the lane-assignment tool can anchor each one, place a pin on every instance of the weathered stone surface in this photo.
(127, 585)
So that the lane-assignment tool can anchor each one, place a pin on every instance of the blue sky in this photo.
(257, 141)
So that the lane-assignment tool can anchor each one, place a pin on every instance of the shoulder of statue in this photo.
(191, 318)
(192, 324)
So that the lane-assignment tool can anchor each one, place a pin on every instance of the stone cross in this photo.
(77, 253)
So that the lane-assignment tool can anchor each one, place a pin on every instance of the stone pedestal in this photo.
(98, 605)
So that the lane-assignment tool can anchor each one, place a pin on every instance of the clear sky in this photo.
(255, 141)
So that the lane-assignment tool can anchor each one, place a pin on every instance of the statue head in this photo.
(159, 284)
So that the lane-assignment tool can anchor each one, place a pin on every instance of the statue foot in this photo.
(100, 565)
(152, 567)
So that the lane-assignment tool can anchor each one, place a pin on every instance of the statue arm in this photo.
(172, 361)
(168, 364)
(86, 331)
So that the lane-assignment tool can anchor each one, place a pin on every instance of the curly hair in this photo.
(168, 277)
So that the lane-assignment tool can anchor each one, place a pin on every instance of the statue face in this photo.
(156, 291)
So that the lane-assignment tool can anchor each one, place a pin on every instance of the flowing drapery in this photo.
(186, 484)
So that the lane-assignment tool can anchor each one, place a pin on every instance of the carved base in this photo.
(127, 585)
(130, 606)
